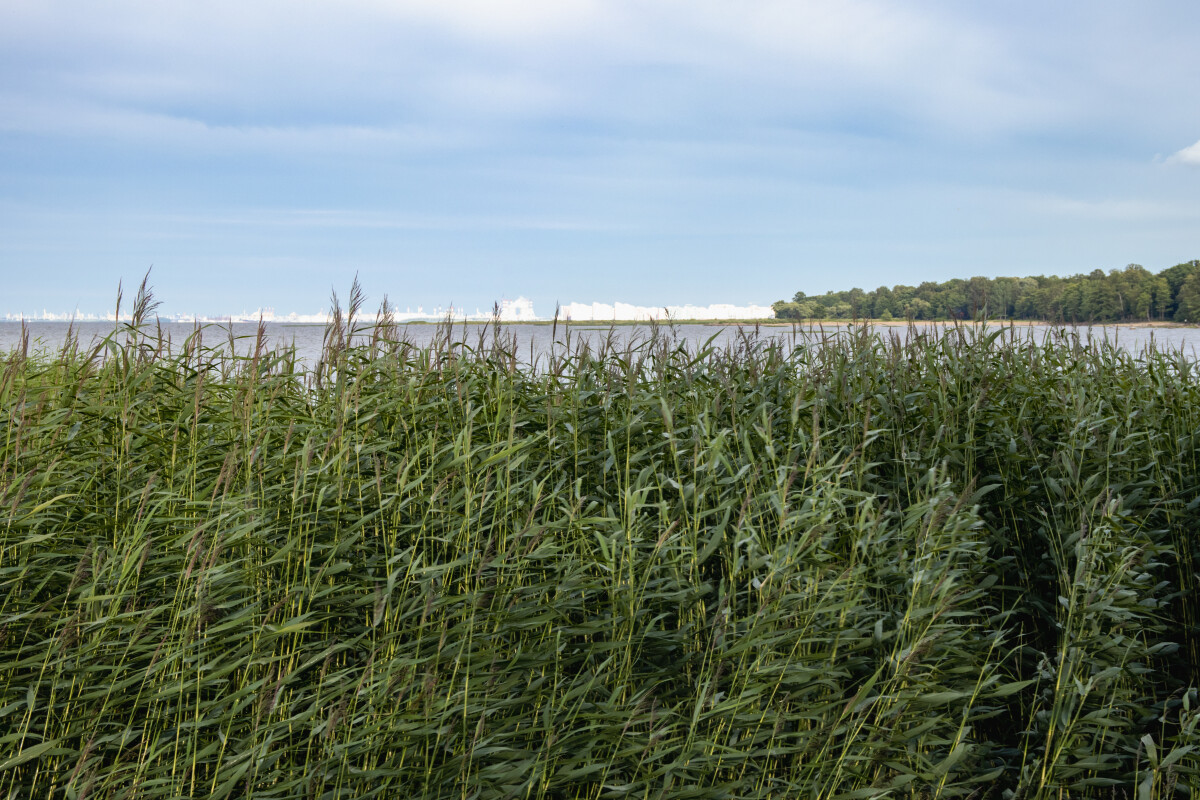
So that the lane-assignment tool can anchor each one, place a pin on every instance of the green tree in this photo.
(1130, 293)
(1161, 297)
(840, 310)
(786, 310)
(977, 292)
(918, 309)
(1187, 307)
(858, 307)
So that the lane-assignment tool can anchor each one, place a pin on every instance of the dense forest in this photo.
(1130, 294)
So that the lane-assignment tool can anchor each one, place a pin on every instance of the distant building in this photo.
(606, 312)
(519, 310)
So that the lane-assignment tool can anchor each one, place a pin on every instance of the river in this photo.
(534, 341)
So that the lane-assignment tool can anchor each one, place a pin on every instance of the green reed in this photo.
(866, 567)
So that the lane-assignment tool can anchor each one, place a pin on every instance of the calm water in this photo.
(534, 341)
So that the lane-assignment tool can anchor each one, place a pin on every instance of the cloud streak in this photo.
(1188, 155)
(370, 63)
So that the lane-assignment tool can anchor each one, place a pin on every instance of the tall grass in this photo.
(866, 567)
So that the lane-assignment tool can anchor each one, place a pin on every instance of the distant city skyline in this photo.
(519, 310)
(661, 153)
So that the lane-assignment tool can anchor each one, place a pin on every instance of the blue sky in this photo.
(645, 151)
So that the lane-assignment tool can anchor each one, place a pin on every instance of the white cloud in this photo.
(1188, 155)
(367, 61)
(479, 70)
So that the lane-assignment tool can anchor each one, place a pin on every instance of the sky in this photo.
(653, 152)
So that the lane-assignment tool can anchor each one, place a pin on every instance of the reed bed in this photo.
(866, 567)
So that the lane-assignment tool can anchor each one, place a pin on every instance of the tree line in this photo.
(1130, 294)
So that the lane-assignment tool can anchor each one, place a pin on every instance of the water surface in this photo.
(533, 342)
